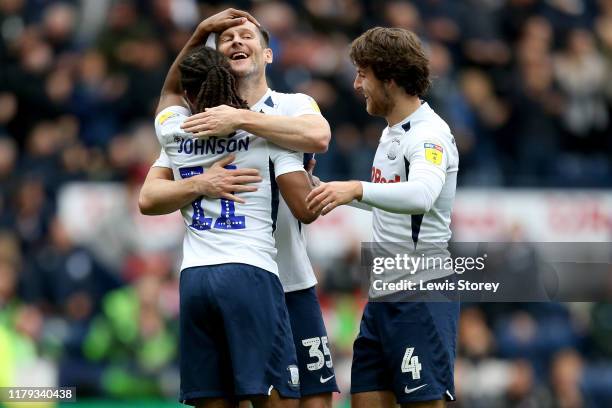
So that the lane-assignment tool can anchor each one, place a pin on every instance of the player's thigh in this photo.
(425, 404)
(373, 399)
(204, 362)
(312, 346)
(419, 343)
(369, 372)
(323, 400)
(387, 399)
(213, 403)
(275, 400)
(258, 332)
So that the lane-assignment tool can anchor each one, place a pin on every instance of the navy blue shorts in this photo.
(407, 348)
(311, 344)
(235, 335)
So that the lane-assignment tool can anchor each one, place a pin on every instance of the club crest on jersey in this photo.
(294, 373)
(433, 153)
(393, 149)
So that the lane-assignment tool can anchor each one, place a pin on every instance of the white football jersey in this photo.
(421, 137)
(221, 231)
(424, 138)
(295, 270)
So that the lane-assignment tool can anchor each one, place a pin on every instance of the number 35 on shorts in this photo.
(410, 364)
(316, 344)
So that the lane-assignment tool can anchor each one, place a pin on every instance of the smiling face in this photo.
(245, 48)
(378, 99)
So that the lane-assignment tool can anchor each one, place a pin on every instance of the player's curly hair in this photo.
(393, 53)
(208, 79)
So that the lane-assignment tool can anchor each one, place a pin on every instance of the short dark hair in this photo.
(207, 78)
(393, 54)
(264, 37)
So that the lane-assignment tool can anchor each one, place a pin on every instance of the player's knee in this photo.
(275, 400)
(373, 399)
(425, 404)
(317, 401)
(213, 403)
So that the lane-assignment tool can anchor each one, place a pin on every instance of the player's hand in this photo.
(227, 18)
(219, 182)
(219, 121)
(330, 195)
(314, 180)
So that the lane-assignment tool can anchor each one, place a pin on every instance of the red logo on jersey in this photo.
(377, 177)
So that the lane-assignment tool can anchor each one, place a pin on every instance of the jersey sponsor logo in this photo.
(378, 178)
(411, 390)
(433, 153)
(212, 146)
(166, 116)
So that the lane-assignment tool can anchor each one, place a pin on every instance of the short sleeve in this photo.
(300, 104)
(168, 123)
(285, 161)
(163, 160)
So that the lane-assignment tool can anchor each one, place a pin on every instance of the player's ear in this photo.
(391, 85)
(268, 56)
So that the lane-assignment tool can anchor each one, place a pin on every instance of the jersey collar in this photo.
(405, 123)
(265, 101)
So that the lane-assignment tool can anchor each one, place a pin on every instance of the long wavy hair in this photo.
(207, 78)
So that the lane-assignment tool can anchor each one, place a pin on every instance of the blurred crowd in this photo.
(526, 86)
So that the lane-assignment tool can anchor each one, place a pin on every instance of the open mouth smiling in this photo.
(239, 56)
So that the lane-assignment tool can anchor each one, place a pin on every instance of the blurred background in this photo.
(88, 286)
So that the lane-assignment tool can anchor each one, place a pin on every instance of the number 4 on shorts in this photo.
(410, 364)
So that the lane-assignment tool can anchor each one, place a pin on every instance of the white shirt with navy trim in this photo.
(425, 138)
(295, 269)
(221, 231)
(421, 139)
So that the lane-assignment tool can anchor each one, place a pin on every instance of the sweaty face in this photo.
(378, 100)
(242, 45)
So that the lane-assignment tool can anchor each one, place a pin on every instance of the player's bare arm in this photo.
(172, 93)
(294, 187)
(305, 133)
(328, 196)
(161, 194)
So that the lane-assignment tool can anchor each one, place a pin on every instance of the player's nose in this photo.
(237, 40)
